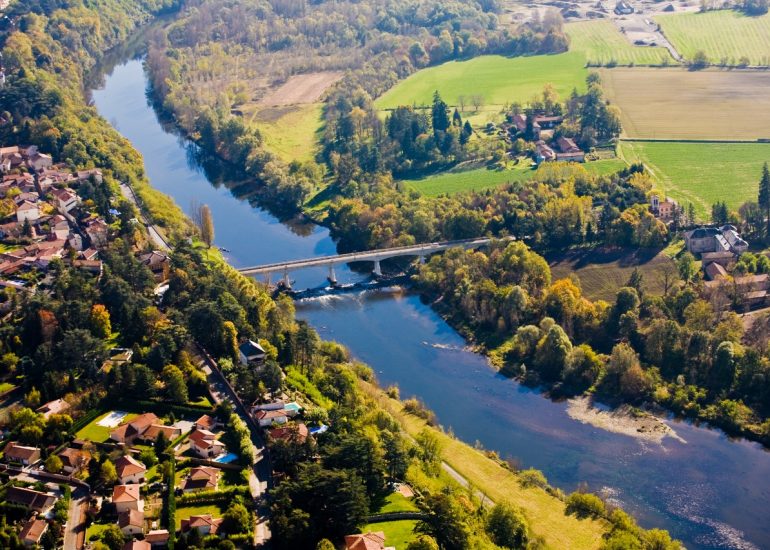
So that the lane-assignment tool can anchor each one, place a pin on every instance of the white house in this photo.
(131, 522)
(66, 199)
(130, 470)
(205, 444)
(27, 211)
(39, 161)
(268, 418)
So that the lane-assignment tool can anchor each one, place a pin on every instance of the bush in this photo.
(585, 505)
(532, 478)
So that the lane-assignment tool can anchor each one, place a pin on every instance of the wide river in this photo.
(708, 491)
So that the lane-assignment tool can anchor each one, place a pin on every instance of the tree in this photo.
(107, 473)
(439, 114)
(764, 194)
(148, 457)
(176, 388)
(205, 221)
(699, 61)
(585, 505)
(444, 521)
(507, 526)
(552, 353)
(687, 267)
(32, 399)
(423, 542)
(325, 544)
(53, 464)
(236, 519)
(113, 537)
(101, 327)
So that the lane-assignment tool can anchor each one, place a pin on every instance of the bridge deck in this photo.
(370, 255)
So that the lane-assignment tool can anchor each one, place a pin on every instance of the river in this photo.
(708, 491)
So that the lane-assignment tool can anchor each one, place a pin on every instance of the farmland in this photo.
(702, 173)
(603, 271)
(498, 79)
(602, 43)
(484, 178)
(722, 35)
(679, 104)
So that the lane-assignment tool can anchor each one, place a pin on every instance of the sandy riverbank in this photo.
(621, 420)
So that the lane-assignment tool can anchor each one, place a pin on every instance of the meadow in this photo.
(702, 173)
(602, 43)
(291, 132)
(485, 178)
(602, 271)
(722, 35)
(679, 104)
(500, 80)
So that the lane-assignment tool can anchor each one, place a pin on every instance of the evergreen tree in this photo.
(457, 120)
(764, 194)
(440, 114)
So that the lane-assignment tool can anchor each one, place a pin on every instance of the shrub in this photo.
(585, 505)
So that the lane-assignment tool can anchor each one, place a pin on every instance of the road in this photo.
(155, 235)
(75, 530)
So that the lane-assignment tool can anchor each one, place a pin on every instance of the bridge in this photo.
(375, 256)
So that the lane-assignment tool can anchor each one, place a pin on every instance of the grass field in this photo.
(98, 434)
(398, 534)
(498, 79)
(546, 513)
(679, 104)
(702, 173)
(724, 34)
(483, 178)
(396, 502)
(291, 132)
(184, 512)
(601, 43)
(603, 271)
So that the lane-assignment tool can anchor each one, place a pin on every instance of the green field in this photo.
(98, 434)
(184, 512)
(702, 173)
(498, 79)
(291, 132)
(725, 34)
(602, 43)
(397, 533)
(484, 178)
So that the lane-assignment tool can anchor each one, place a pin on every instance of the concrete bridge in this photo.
(375, 256)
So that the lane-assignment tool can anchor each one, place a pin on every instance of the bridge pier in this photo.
(332, 275)
(377, 271)
(422, 258)
(286, 280)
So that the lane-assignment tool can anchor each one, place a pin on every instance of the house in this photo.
(39, 161)
(97, 231)
(714, 271)
(33, 531)
(21, 454)
(74, 460)
(153, 432)
(60, 228)
(159, 263)
(127, 497)
(295, 432)
(205, 444)
(548, 122)
(201, 478)
(56, 406)
(130, 470)
(366, 541)
(157, 537)
(205, 524)
(207, 422)
(623, 8)
(250, 352)
(65, 199)
(137, 545)
(568, 150)
(665, 210)
(268, 418)
(543, 153)
(712, 239)
(31, 499)
(128, 432)
(131, 522)
(520, 121)
(27, 211)
(84, 175)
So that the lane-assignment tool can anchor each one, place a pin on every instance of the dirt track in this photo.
(300, 89)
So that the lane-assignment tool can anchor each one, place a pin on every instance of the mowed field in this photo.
(702, 173)
(602, 271)
(725, 34)
(601, 43)
(291, 132)
(676, 103)
(498, 79)
(483, 178)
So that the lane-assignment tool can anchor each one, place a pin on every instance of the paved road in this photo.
(155, 235)
(75, 530)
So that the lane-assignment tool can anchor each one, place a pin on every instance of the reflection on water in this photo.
(709, 492)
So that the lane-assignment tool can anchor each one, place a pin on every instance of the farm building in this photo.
(712, 239)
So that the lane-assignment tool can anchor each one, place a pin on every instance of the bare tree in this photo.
(477, 100)
(461, 101)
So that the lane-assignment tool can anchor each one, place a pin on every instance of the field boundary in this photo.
(716, 141)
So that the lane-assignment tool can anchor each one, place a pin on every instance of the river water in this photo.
(707, 490)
